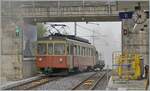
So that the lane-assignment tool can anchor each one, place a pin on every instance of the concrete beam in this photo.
(70, 19)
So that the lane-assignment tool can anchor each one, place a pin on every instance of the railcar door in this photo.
(75, 58)
(72, 54)
(59, 60)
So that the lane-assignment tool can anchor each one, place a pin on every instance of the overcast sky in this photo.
(107, 36)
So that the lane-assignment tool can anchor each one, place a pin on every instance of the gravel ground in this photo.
(66, 83)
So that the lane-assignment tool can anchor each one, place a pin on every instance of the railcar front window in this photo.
(50, 49)
(59, 49)
(41, 49)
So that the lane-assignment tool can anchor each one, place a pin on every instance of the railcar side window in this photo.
(78, 50)
(88, 51)
(83, 51)
(75, 49)
(59, 49)
(71, 49)
(41, 49)
(91, 52)
(50, 48)
(68, 49)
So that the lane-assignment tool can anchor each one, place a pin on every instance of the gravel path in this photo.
(66, 83)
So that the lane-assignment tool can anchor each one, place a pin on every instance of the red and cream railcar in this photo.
(64, 53)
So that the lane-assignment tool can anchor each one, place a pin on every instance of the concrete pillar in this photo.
(14, 49)
(13, 64)
(136, 40)
(11, 53)
(0, 48)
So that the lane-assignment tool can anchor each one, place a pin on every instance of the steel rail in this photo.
(74, 88)
(95, 81)
(95, 84)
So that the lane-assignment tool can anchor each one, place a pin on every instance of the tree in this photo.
(41, 30)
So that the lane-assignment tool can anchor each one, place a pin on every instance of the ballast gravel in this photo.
(66, 83)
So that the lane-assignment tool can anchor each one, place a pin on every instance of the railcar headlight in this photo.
(40, 59)
(60, 60)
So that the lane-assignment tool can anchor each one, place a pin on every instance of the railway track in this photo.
(91, 82)
(102, 84)
(33, 84)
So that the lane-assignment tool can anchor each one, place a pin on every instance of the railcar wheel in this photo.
(89, 69)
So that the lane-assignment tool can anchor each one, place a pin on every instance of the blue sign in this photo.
(125, 15)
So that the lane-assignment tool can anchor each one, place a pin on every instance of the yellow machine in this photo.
(129, 66)
(136, 65)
